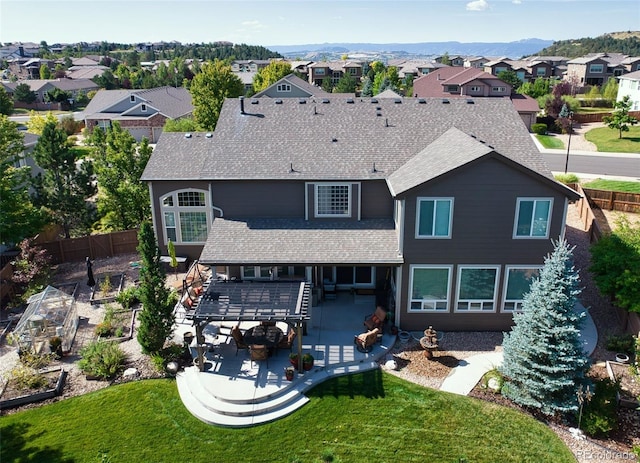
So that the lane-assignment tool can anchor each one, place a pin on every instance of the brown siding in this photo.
(485, 195)
(376, 200)
(259, 198)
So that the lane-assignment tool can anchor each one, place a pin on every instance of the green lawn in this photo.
(613, 185)
(372, 416)
(550, 142)
(606, 139)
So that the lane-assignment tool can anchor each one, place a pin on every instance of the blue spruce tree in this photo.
(544, 360)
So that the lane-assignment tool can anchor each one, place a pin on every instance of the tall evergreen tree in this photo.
(544, 361)
(156, 317)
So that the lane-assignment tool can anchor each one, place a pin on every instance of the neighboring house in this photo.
(300, 67)
(141, 112)
(85, 72)
(446, 209)
(19, 50)
(335, 70)
(596, 68)
(631, 63)
(42, 87)
(246, 78)
(29, 68)
(495, 67)
(249, 65)
(456, 82)
(454, 60)
(629, 84)
(475, 62)
(417, 68)
(292, 86)
(26, 159)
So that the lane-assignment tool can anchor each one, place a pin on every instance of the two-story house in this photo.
(445, 203)
(292, 86)
(629, 85)
(596, 68)
(142, 113)
(335, 70)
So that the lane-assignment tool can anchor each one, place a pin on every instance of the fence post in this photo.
(612, 200)
(111, 244)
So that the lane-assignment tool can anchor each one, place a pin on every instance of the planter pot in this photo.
(293, 362)
(404, 337)
(622, 358)
(289, 373)
(306, 366)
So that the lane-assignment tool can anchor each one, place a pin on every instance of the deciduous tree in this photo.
(544, 360)
(24, 94)
(270, 74)
(215, 82)
(19, 218)
(156, 317)
(45, 72)
(620, 118)
(37, 121)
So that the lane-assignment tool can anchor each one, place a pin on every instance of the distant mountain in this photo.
(627, 43)
(507, 49)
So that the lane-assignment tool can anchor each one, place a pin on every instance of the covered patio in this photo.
(228, 389)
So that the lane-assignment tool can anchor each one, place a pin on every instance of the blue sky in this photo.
(291, 22)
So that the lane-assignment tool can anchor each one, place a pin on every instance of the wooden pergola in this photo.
(224, 300)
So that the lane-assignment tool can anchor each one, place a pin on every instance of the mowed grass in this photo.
(606, 139)
(550, 142)
(613, 185)
(371, 416)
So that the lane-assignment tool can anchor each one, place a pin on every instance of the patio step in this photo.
(206, 407)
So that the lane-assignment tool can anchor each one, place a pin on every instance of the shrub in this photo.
(540, 129)
(599, 415)
(102, 359)
(104, 329)
(493, 376)
(567, 178)
(33, 360)
(128, 297)
(623, 343)
(105, 285)
(26, 378)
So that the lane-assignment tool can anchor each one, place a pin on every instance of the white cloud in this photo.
(517, 2)
(253, 25)
(477, 5)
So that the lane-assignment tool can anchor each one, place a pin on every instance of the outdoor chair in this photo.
(259, 352)
(376, 319)
(236, 334)
(287, 341)
(365, 341)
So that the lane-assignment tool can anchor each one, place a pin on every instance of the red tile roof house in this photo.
(448, 205)
(141, 112)
(455, 82)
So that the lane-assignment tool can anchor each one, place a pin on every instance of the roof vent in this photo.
(373, 100)
(422, 101)
(470, 101)
(350, 101)
(378, 113)
(302, 101)
(445, 101)
(325, 101)
(208, 135)
(255, 101)
(334, 139)
(397, 101)
(378, 108)
(187, 135)
(278, 101)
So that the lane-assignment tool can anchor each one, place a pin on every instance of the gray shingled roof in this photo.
(336, 140)
(170, 101)
(282, 241)
(450, 151)
(312, 90)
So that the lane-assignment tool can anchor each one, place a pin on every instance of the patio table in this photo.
(269, 336)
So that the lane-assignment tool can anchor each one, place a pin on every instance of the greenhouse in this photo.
(50, 314)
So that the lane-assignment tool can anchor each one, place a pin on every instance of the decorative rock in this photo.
(391, 365)
(576, 433)
(493, 384)
(131, 373)
(172, 368)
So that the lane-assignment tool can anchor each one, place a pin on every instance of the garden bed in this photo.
(12, 396)
(629, 383)
(107, 288)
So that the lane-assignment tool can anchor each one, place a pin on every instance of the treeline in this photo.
(605, 43)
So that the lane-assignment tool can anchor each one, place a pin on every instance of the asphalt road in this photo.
(626, 166)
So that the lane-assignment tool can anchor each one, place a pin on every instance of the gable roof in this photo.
(433, 84)
(295, 81)
(170, 101)
(635, 75)
(342, 139)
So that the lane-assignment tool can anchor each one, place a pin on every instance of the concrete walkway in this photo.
(470, 371)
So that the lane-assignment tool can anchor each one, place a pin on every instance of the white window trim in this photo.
(418, 236)
(283, 88)
(315, 199)
(257, 271)
(478, 301)
(601, 67)
(429, 301)
(515, 222)
(143, 108)
(517, 303)
(176, 209)
(500, 89)
(475, 88)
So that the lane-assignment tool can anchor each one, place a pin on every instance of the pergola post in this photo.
(299, 338)
(199, 343)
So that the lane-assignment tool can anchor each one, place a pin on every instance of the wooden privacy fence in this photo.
(589, 222)
(586, 118)
(92, 246)
(614, 200)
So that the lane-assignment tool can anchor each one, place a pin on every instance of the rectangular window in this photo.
(170, 226)
(433, 217)
(596, 68)
(132, 98)
(477, 288)
(429, 288)
(500, 69)
(319, 71)
(498, 89)
(475, 88)
(452, 88)
(333, 200)
(193, 227)
(532, 218)
(541, 72)
(283, 88)
(143, 108)
(191, 199)
(517, 283)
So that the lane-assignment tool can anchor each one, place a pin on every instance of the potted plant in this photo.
(293, 359)
(289, 373)
(55, 345)
(307, 362)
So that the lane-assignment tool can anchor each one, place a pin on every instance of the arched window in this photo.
(185, 216)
